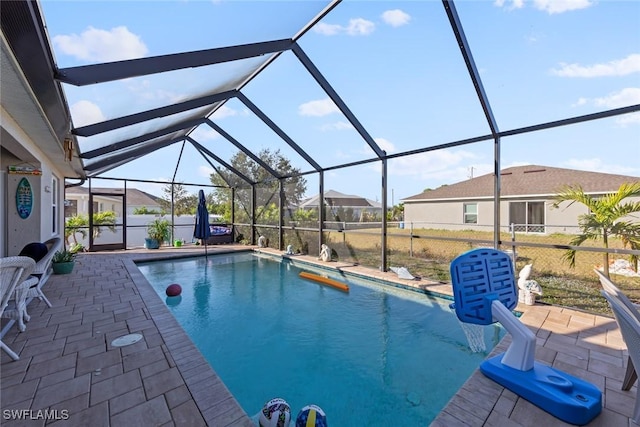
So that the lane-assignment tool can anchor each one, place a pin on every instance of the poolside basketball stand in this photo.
(485, 291)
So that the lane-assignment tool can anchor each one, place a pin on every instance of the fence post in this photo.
(411, 239)
(514, 257)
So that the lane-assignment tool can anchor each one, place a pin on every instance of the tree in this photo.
(184, 203)
(396, 213)
(268, 188)
(80, 224)
(608, 217)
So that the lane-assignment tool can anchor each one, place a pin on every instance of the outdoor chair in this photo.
(609, 287)
(14, 279)
(630, 330)
(43, 269)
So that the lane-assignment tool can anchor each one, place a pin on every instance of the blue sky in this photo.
(397, 67)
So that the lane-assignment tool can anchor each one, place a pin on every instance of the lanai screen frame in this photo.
(103, 159)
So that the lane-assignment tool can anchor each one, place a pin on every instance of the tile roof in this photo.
(530, 180)
(335, 198)
(134, 196)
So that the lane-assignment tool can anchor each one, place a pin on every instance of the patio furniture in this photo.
(43, 270)
(14, 273)
(220, 234)
(610, 288)
(630, 330)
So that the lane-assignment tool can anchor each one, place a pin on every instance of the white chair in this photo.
(14, 271)
(609, 287)
(630, 330)
(43, 271)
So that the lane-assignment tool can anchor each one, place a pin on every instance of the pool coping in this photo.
(194, 368)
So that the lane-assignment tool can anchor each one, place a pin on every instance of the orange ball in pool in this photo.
(173, 290)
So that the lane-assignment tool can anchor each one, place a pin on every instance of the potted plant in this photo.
(158, 231)
(63, 261)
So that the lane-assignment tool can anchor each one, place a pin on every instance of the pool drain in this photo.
(126, 340)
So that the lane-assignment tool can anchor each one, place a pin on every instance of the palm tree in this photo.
(608, 217)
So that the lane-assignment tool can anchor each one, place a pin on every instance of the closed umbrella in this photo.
(202, 230)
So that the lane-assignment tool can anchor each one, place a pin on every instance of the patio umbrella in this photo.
(202, 230)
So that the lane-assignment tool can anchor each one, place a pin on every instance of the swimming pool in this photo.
(376, 356)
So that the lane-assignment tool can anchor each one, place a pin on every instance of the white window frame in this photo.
(465, 213)
(55, 211)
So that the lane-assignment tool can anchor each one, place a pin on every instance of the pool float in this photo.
(325, 281)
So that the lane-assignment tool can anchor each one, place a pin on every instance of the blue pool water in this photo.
(376, 356)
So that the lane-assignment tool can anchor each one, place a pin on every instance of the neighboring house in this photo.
(527, 196)
(345, 203)
(107, 199)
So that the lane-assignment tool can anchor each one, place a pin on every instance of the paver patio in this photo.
(69, 367)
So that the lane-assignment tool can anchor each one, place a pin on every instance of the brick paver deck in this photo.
(67, 363)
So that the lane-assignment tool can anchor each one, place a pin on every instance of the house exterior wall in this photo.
(449, 215)
(40, 225)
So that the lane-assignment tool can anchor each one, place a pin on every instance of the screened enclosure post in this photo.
(233, 206)
(496, 193)
(173, 212)
(253, 214)
(320, 211)
(383, 231)
(281, 219)
(90, 217)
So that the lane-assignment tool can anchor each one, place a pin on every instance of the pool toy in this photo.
(275, 413)
(325, 281)
(485, 291)
(325, 253)
(311, 416)
(173, 290)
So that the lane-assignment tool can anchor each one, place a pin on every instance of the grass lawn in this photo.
(429, 256)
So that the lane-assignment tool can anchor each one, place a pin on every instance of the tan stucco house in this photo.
(77, 200)
(527, 196)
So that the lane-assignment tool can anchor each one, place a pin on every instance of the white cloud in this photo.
(356, 27)
(620, 67)
(205, 171)
(144, 90)
(384, 145)
(204, 133)
(597, 165)
(561, 6)
(436, 166)
(549, 6)
(327, 29)
(336, 126)
(623, 98)
(628, 119)
(580, 102)
(396, 17)
(86, 113)
(102, 45)
(318, 108)
(514, 4)
(360, 27)
(223, 112)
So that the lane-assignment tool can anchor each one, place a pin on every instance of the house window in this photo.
(70, 208)
(470, 213)
(54, 205)
(527, 216)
